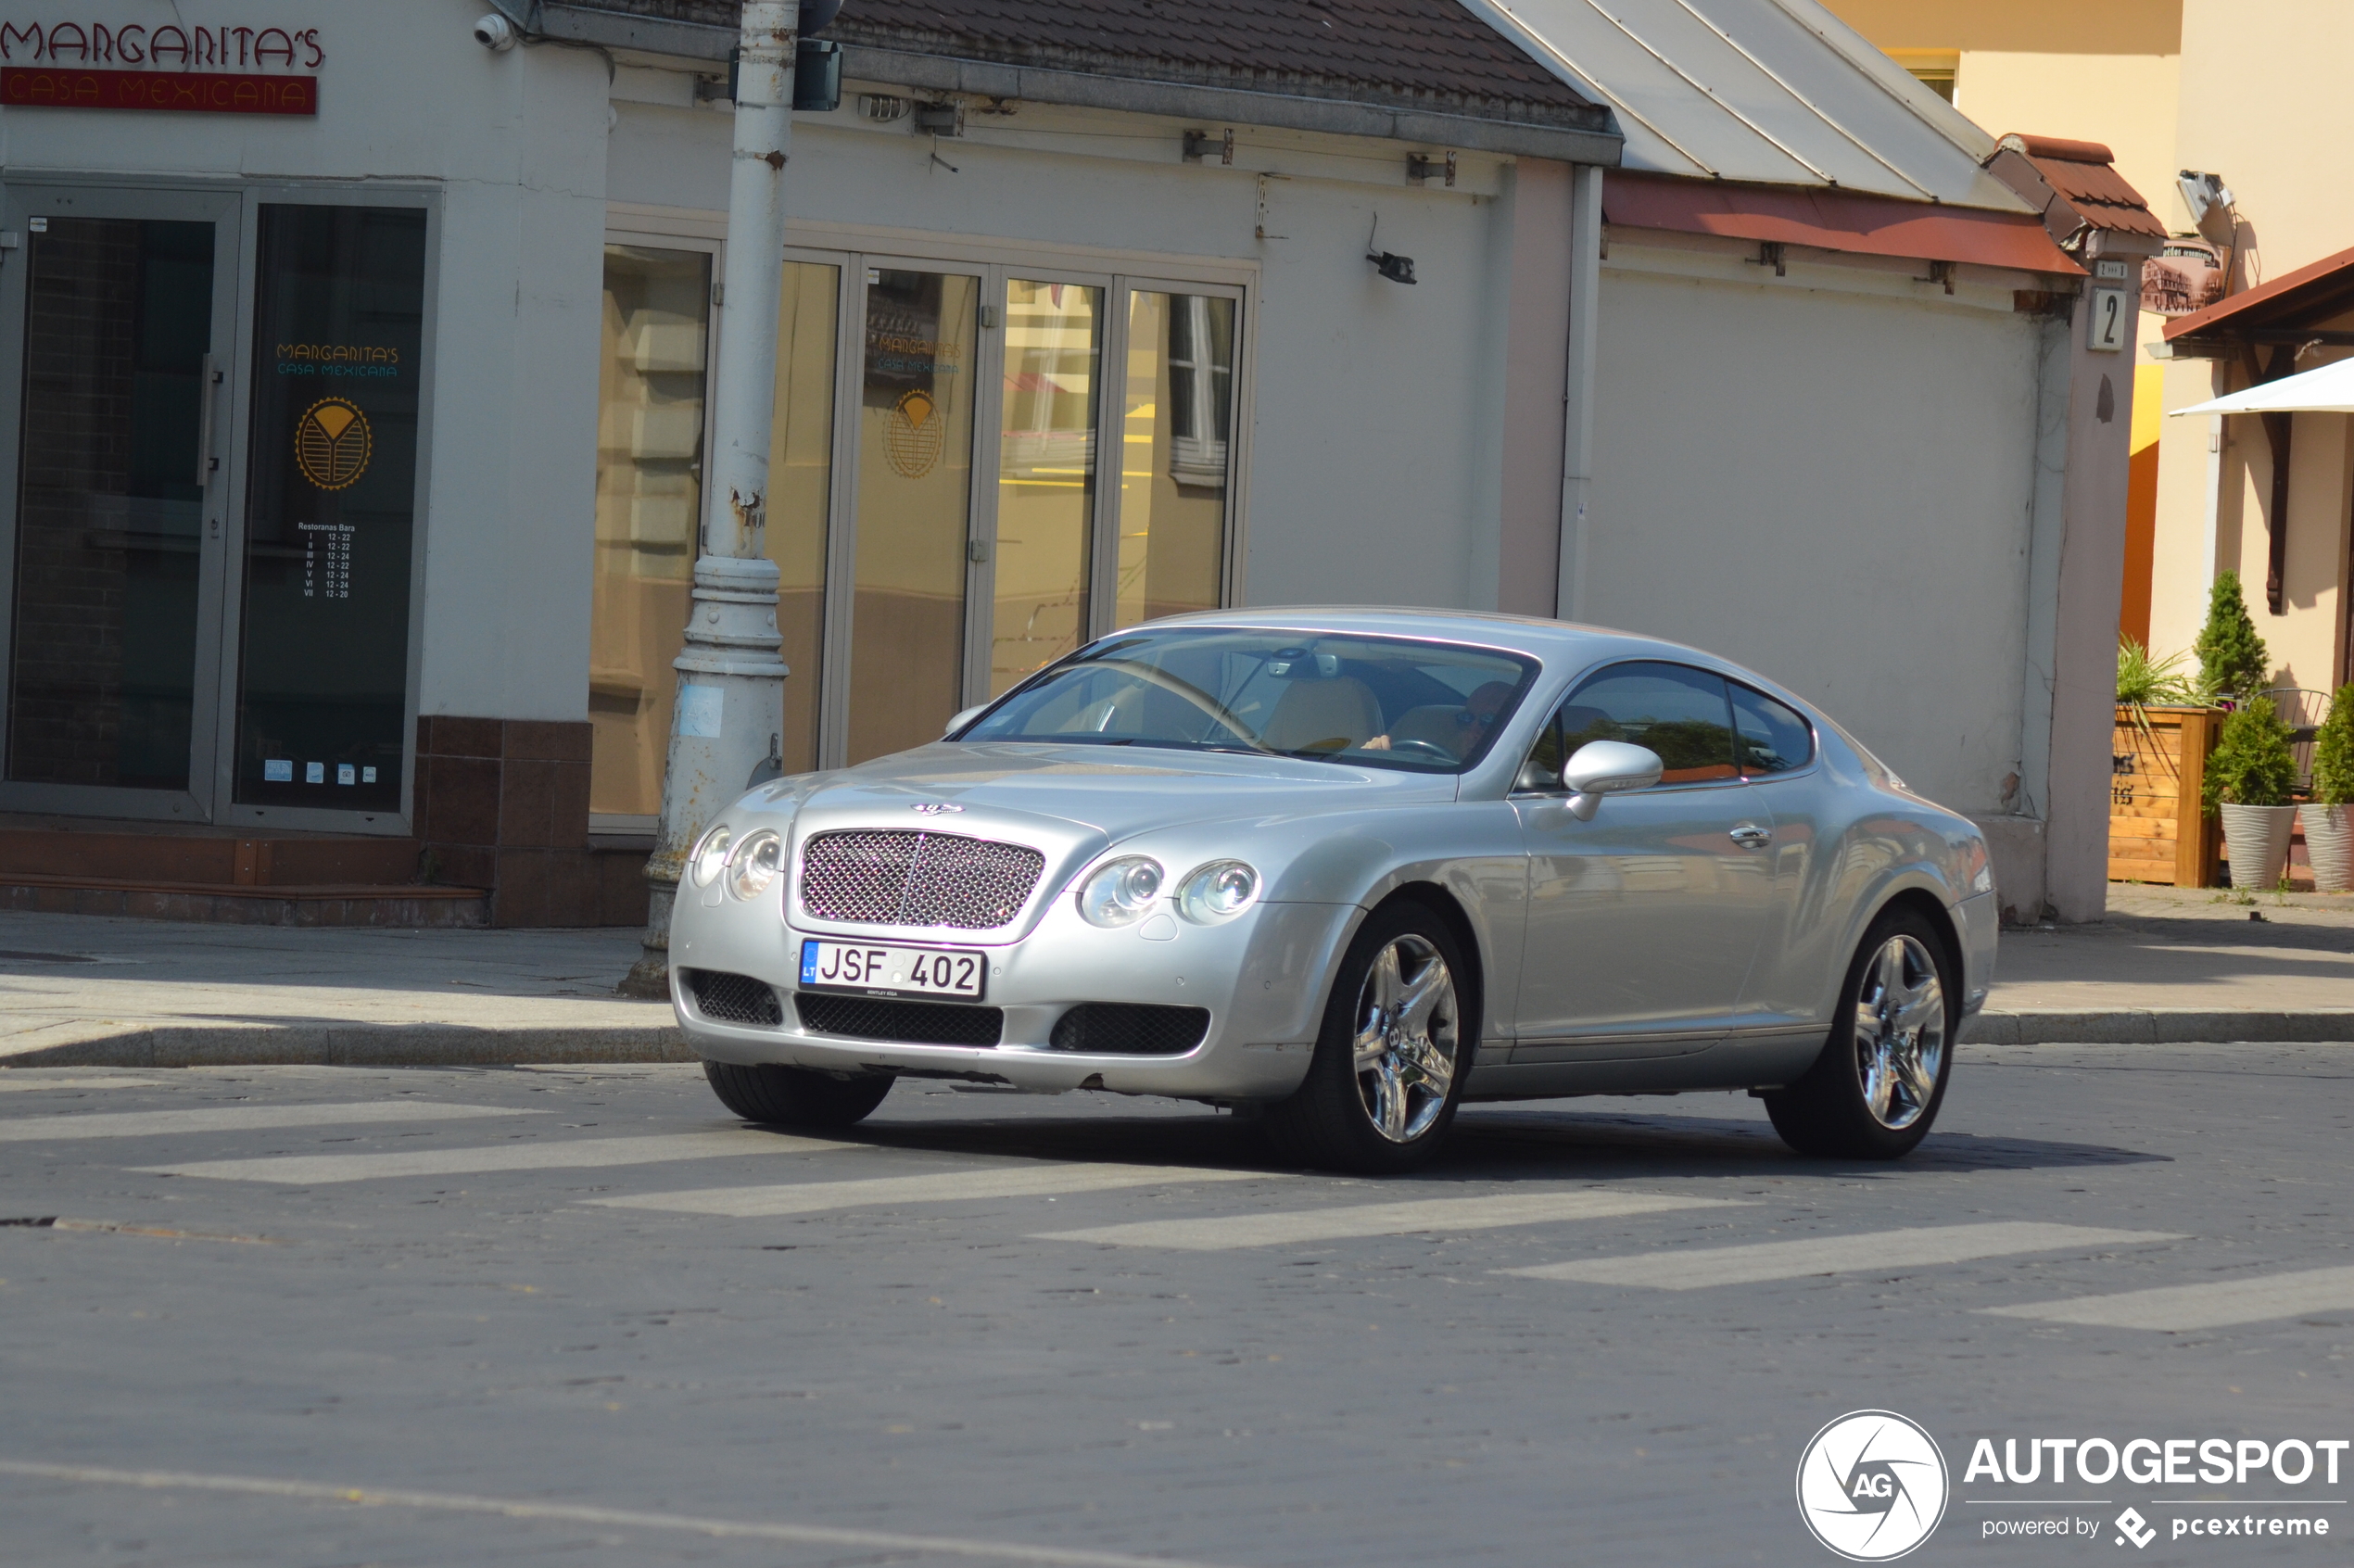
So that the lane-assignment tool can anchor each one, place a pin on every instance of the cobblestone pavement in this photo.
(311, 1316)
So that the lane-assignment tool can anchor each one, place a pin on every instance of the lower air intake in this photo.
(910, 1023)
(735, 999)
(1131, 1028)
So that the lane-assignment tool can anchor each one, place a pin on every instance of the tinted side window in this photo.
(1771, 736)
(1676, 711)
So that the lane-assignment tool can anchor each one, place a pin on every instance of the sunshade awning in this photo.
(2327, 390)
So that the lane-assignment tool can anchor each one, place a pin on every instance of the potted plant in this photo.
(2145, 680)
(2329, 840)
(2249, 780)
(2232, 658)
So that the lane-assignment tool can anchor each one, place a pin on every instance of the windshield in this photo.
(1426, 707)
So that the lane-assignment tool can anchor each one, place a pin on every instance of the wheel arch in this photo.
(1930, 908)
(1449, 911)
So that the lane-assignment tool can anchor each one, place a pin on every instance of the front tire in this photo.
(1878, 1086)
(1392, 1056)
(783, 1096)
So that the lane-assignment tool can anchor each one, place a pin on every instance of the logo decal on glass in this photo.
(332, 444)
(915, 438)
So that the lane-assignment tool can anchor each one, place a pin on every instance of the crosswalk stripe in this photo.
(235, 1119)
(564, 1154)
(18, 1083)
(2177, 1309)
(1222, 1233)
(883, 1192)
(1873, 1251)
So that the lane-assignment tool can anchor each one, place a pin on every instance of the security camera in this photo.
(495, 33)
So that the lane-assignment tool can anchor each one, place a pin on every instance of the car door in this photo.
(1642, 922)
(1775, 748)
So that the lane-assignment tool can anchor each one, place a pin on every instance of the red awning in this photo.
(2318, 291)
(1828, 220)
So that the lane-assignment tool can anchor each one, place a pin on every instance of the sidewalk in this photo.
(2165, 968)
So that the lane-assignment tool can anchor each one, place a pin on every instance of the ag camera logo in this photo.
(1872, 1486)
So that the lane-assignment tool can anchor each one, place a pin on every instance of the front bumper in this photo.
(1262, 977)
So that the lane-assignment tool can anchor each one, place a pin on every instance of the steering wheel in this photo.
(1441, 753)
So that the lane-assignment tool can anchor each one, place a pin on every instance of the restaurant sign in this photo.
(78, 64)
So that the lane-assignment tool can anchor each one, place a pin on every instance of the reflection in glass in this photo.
(118, 320)
(914, 485)
(1045, 477)
(1176, 430)
(650, 505)
(648, 501)
(329, 509)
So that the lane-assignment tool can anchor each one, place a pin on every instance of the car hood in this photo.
(1112, 792)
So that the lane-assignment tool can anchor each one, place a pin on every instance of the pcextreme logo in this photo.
(1872, 1486)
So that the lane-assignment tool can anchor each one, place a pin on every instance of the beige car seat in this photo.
(1322, 715)
(1443, 725)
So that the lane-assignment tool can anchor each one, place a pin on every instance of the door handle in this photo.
(1749, 835)
(209, 379)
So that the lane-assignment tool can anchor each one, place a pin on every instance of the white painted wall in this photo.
(1832, 487)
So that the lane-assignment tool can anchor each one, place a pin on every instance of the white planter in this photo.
(2256, 841)
(2329, 844)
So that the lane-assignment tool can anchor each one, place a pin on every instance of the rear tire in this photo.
(783, 1096)
(1392, 1056)
(1877, 1088)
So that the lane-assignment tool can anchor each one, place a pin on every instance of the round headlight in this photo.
(1219, 891)
(754, 865)
(711, 854)
(1118, 891)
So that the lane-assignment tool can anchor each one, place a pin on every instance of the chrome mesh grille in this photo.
(897, 876)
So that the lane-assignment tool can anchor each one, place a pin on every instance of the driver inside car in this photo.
(1457, 732)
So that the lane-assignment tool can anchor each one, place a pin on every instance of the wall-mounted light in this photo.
(1397, 269)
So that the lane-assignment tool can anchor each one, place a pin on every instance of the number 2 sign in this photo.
(2109, 320)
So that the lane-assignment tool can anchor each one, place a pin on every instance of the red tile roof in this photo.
(2089, 188)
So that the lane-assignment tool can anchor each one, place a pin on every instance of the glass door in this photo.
(911, 544)
(112, 392)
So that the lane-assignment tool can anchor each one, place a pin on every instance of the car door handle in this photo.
(1749, 835)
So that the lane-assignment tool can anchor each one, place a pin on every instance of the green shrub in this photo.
(2252, 764)
(2144, 681)
(2233, 660)
(2334, 751)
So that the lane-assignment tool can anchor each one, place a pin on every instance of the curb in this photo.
(359, 1044)
(2159, 1026)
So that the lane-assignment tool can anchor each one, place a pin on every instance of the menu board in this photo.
(331, 507)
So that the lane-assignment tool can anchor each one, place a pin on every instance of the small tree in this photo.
(2252, 763)
(2333, 753)
(2232, 660)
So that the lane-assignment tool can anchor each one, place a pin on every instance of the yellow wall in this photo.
(2265, 105)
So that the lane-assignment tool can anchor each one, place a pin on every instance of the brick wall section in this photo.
(503, 805)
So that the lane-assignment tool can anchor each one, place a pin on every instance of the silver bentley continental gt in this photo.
(1344, 870)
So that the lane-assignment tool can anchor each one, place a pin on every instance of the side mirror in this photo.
(1603, 767)
(963, 719)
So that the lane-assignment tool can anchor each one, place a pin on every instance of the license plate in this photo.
(871, 970)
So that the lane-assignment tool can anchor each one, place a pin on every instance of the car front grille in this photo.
(912, 1023)
(896, 876)
(1131, 1028)
(735, 999)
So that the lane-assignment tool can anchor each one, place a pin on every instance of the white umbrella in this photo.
(2327, 390)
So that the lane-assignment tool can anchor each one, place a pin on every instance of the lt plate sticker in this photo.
(918, 971)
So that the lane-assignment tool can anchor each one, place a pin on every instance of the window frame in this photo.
(1814, 733)
(1555, 786)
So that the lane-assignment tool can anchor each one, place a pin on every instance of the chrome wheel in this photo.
(1405, 1039)
(1900, 1031)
